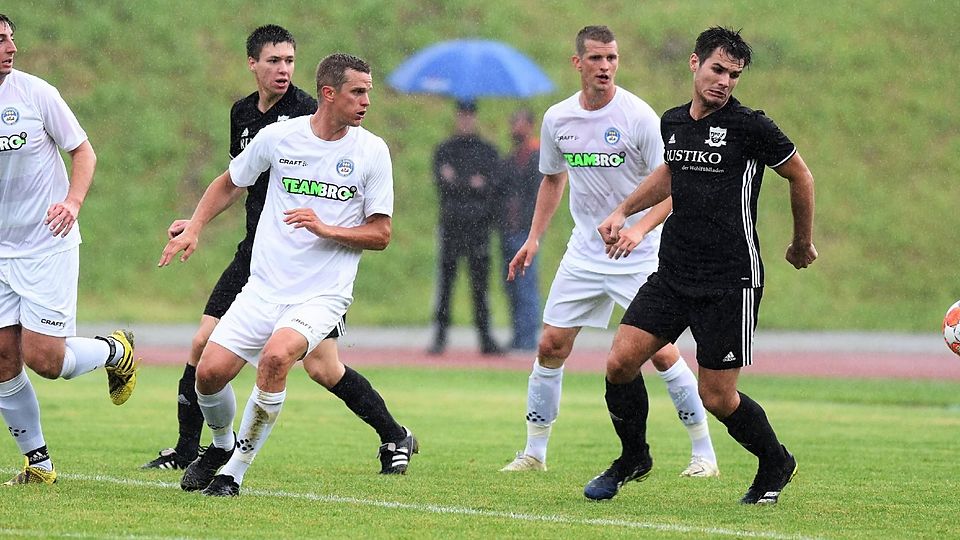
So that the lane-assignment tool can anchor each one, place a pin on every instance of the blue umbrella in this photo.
(467, 69)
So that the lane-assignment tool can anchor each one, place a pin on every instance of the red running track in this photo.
(872, 365)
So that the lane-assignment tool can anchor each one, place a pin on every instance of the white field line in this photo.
(423, 508)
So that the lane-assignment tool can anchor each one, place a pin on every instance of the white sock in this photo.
(21, 412)
(682, 386)
(259, 417)
(543, 407)
(83, 355)
(219, 409)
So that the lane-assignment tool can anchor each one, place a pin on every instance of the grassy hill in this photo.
(861, 87)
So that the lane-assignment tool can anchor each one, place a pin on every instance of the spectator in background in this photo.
(519, 182)
(464, 168)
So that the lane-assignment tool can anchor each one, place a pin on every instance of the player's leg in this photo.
(20, 408)
(324, 367)
(724, 332)
(576, 300)
(680, 381)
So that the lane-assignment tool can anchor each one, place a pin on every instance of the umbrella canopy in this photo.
(468, 69)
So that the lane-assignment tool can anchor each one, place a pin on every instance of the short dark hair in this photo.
(5, 19)
(268, 33)
(332, 70)
(727, 40)
(593, 33)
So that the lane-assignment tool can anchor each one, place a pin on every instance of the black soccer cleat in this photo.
(201, 471)
(168, 459)
(607, 484)
(769, 482)
(222, 485)
(395, 457)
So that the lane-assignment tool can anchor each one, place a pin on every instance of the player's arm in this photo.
(220, 194)
(373, 234)
(179, 225)
(801, 251)
(631, 237)
(654, 190)
(63, 215)
(548, 200)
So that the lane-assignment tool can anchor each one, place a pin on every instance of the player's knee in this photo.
(210, 378)
(620, 370)
(274, 364)
(720, 404)
(554, 348)
(44, 363)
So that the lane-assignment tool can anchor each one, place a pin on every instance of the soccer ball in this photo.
(951, 327)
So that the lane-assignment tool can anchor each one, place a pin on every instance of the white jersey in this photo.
(34, 121)
(606, 154)
(344, 181)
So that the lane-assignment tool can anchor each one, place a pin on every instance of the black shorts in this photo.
(232, 280)
(722, 321)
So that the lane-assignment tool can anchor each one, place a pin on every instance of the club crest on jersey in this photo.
(717, 136)
(611, 135)
(10, 116)
(345, 167)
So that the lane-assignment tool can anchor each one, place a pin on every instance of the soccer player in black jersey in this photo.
(710, 277)
(271, 58)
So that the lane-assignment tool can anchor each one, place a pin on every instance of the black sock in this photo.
(366, 403)
(748, 425)
(628, 407)
(189, 414)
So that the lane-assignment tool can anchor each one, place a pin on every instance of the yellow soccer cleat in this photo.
(32, 475)
(122, 378)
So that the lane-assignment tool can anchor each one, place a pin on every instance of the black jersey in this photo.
(245, 121)
(716, 167)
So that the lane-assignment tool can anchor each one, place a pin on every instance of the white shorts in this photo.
(580, 297)
(40, 293)
(251, 320)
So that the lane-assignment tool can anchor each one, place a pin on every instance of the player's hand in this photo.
(177, 227)
(61, 217)
(629, 239)
(801, 256)
(305, 218)
(523, 259)
(186, 242)
(609, 228)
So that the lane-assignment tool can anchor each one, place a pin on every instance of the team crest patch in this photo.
(10, 116)
(611, 135)
(717, 136)
(345, 167)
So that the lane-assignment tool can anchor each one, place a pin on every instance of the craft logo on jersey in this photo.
(561, 138)
(717, 136)
(244, 138)
(594, 159)
(611, 135)
(282, 117)
(345, 167)
(10, 116)
(12, 142)
(315, 188)
(672, 140)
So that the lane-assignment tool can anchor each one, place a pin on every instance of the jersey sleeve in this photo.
(234, 149)
(378, 184)
(551, 158)
(58, 120)
(649, 140)
(253, 160)
(773, 147)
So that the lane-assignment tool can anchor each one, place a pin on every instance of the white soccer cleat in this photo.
(701, 467)
(524, 462)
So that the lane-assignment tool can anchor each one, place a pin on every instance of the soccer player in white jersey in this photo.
(329, 198)
(605, 141)
(40, 258)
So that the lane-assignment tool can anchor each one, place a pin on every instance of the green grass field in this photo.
(876, 461)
